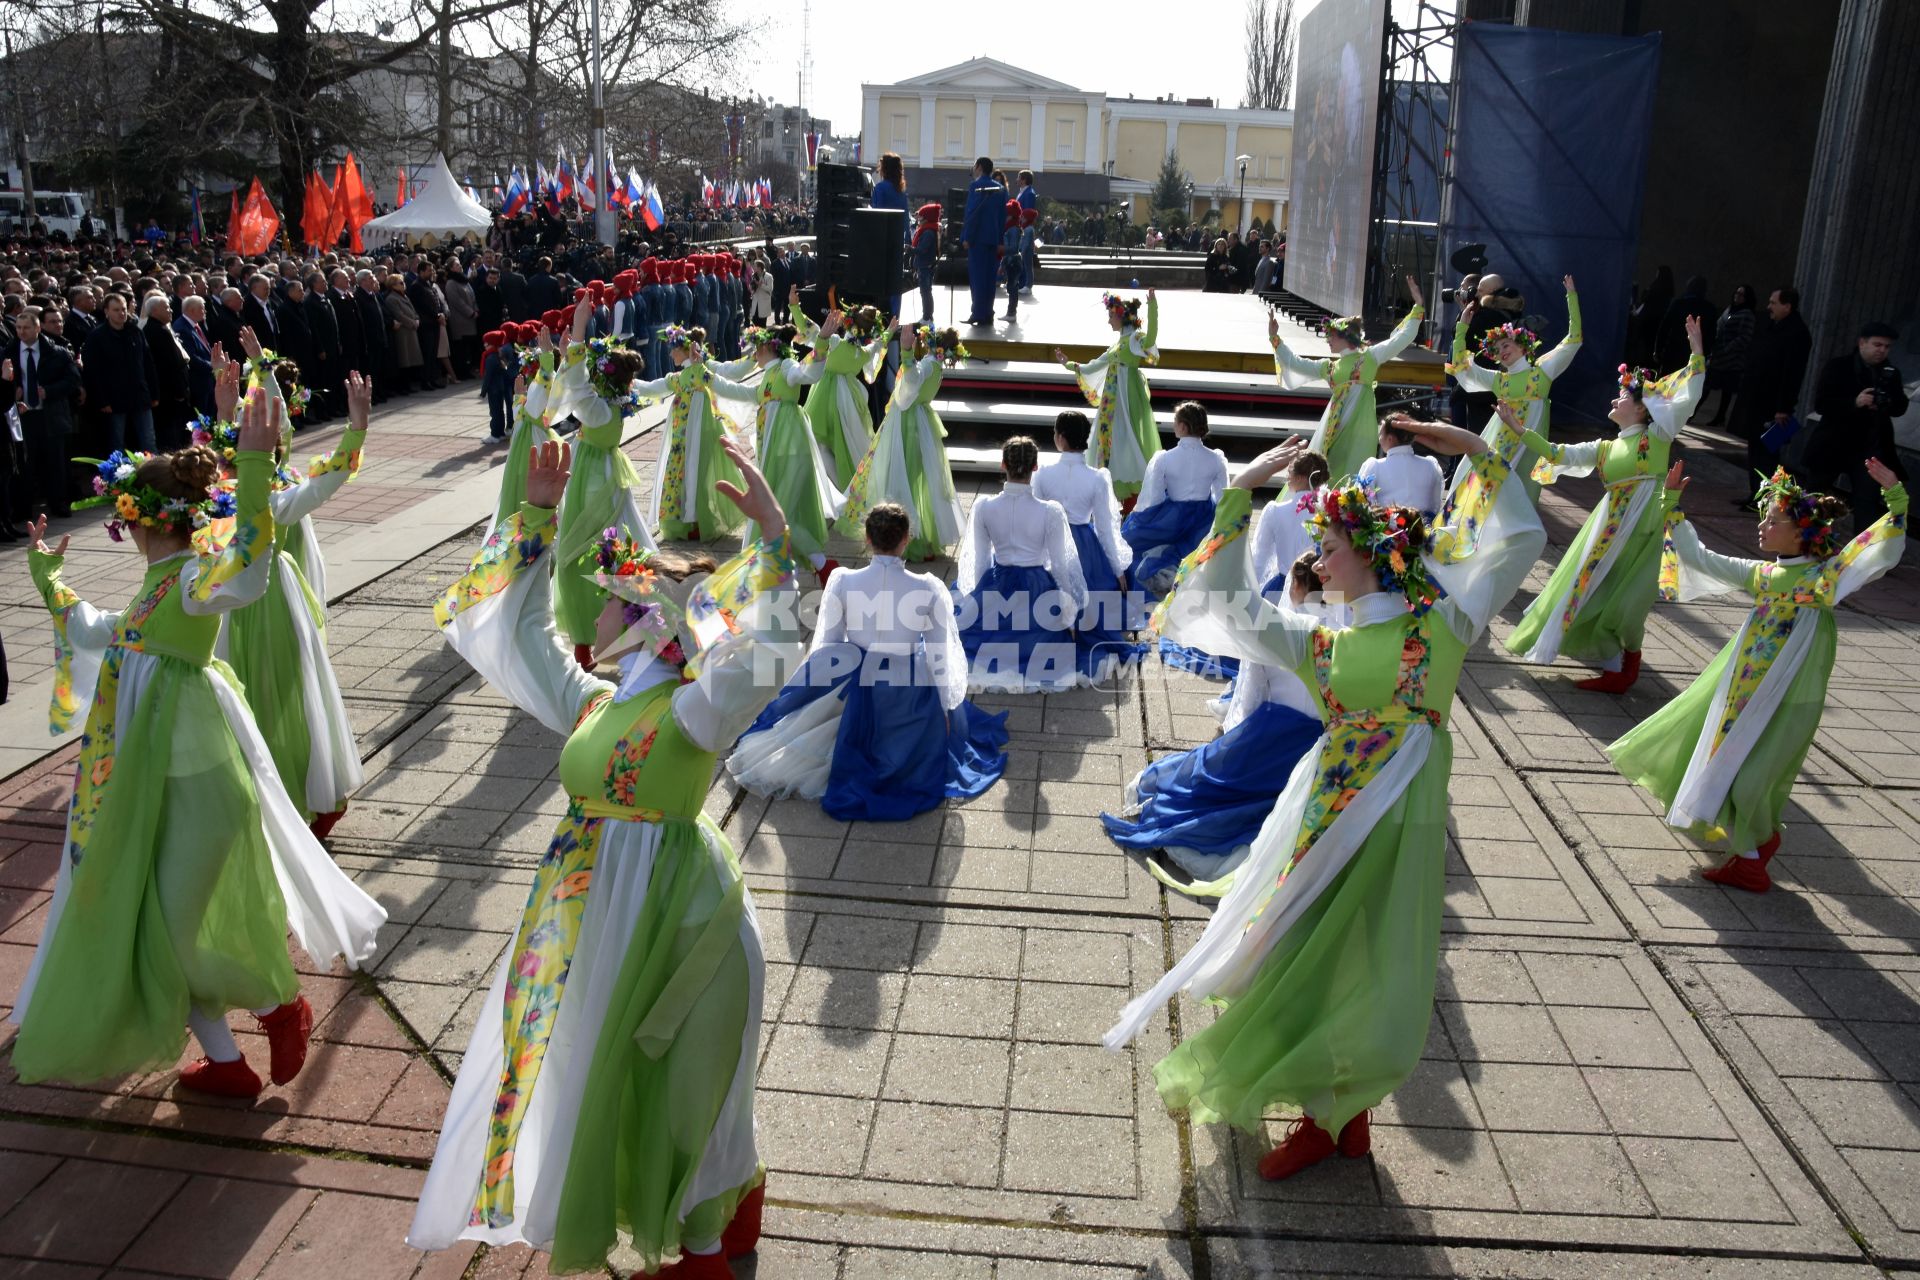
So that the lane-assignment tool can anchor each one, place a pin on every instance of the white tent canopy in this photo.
(440, 211)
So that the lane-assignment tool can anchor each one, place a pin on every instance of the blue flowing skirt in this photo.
(1016, 627)
(1213, 799)
(1206, 665)
(897, 752)
(1100, 634)
(1163, 535)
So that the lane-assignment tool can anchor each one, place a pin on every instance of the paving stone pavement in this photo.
(1629, 1073)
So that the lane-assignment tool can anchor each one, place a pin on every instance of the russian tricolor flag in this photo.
(651, 209)
(518, 197)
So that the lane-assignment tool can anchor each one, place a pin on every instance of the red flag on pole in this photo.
(336, 210)
(357, 203)
(258, 222)
(313, 210)
(400, 194)
(233, 218)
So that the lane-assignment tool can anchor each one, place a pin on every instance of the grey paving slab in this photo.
(904, 1070)
(1541, 1116)
(1830, 1045)
(1238, 1258)
(1847, 875)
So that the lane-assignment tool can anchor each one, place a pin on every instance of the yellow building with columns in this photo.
(1083, 147)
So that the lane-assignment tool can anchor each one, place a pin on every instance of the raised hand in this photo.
(1676, 477)
(1273, 326)
(1413, 287)
(1059, 355)
(1509, 415)
(37, 530)
(1466, 313)
(1567, 281)
(1883, 475)
(226, 386)
(1694, 339)
(1269, 464)
(6, 371)
(359, 400)
(547, 468)
(249, 342)
(756, 500)
(582, 311)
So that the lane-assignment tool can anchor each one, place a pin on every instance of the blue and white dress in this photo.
(876, 725)
(1204, 806)
(1021, 591)
(1093, 521)
(1175, 510)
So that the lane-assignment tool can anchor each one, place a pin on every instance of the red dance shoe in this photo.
(696, 1266)
(288, 1028)
(742, 1235)
(1742, 873)
(1126, 505)
(322, 824)
(1356, 1138)
(221, 1079)
(1306, 1144)
(1616, 681)
(1768, 849)
(583, 654)
(826, 570)
(693, 533)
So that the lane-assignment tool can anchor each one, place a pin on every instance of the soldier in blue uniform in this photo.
(985, 224)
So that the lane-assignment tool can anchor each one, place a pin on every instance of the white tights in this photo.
(216, 1040)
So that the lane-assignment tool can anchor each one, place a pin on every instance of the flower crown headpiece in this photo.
(1528, 340)
(224, 439)
(924, 333)
(1129, 308)
(648, 614)
(115, 484)
(677, 336)
(1349, 329)
(758, 336)
(263, 368)
(1386, 537)
(1816, 531)
(604, 373)
(1636, 381)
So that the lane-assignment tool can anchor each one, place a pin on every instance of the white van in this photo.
(59, 210)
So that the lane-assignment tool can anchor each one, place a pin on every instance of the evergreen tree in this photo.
(1169, 202)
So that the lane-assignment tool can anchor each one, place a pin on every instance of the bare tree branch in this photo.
(1270, 34)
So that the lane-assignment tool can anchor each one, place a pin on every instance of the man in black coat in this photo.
(373, 330)
(224, 325)
(327, 373)
(1770, 384)
(262, 312)
(513, 293)
(1858, 396)
(543, 291)
(83, 316)
(41, 377)
(783, 281)
(346, 322)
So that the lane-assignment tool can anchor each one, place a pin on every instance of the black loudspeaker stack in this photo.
(861, 250)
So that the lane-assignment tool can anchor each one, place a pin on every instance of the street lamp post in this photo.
(1240, 218)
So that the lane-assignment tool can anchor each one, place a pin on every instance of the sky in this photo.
(1198, 59)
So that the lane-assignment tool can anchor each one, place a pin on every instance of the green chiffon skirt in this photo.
(663, 1065)
(926, 543)
(1613, 620)
(1655, 752)
(1337, 1016)
(174, 905)
(263, 648)
(787, 460)
(823, 412)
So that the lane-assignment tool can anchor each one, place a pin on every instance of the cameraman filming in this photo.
(1858, 397)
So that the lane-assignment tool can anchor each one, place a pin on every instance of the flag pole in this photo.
(603, 223)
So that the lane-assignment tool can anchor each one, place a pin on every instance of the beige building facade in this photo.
(1083, 147)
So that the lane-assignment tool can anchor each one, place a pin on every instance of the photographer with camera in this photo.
(1858, 397)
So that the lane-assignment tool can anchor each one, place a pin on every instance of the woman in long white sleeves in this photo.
(278, 644)
(783, 443)
(686, 505)
(1085, 493)
(1176, 503)
(1345, 436)
(607, 1092)
(908, 461)
(876, 726)
(185, 863)
(1524, 382)
(1595, 605)
(1020, 585)
(1125, 435)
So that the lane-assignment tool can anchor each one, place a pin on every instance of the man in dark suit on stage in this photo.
(980, 236)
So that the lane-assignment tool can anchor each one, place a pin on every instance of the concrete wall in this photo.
(1074, 117)
(1139, 148)
(1736, 115)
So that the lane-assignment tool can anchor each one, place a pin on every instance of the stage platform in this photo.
(1210, 332)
